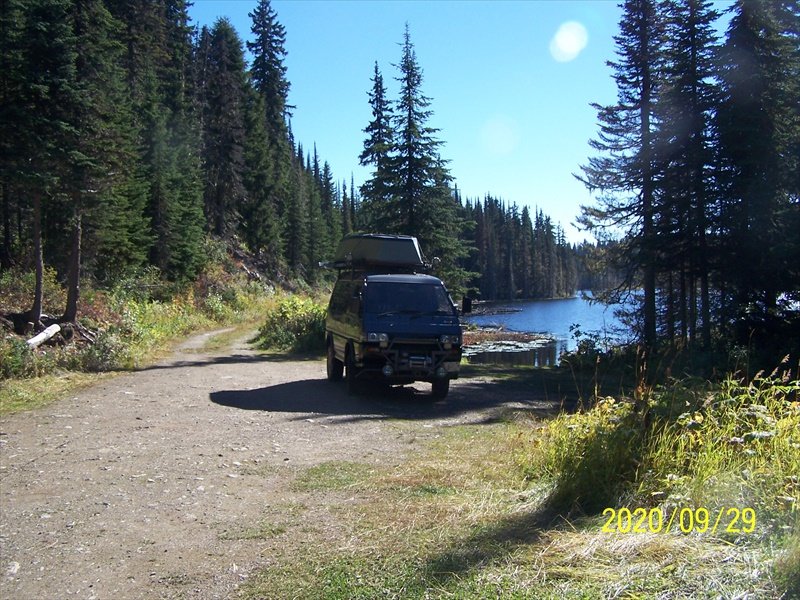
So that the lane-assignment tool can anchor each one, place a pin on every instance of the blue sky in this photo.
(510, 84)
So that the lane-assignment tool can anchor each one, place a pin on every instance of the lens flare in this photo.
(568, 42)
(500, 135)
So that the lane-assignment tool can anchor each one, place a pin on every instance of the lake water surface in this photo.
(552, 318)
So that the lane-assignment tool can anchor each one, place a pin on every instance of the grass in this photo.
(498, 510)
(28, 394)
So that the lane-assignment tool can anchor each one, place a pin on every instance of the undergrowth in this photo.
(129, 323)
(691, 445)
(293, 323)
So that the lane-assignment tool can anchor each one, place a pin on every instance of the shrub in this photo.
(687, 445)
(17, 288)
(16, 359)
(294, 323)
(109, 352)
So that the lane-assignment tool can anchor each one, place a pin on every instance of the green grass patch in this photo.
(262, 531)
(333, 476)
(29, 394)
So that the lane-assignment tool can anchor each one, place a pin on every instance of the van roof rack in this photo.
(370, 251)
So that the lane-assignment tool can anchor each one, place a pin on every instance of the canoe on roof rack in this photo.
(371, 250)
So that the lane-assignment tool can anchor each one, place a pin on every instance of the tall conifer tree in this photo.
(225, 105)
(381, 208)
(685, 149)
(759, 124)
(623, 173)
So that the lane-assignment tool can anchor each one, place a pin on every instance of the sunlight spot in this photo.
(568, 42)
(500, 135)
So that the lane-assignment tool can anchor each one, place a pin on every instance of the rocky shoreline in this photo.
(497, 339)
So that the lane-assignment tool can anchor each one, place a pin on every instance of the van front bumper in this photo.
(404, 363)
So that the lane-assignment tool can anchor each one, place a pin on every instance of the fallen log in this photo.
(45, 335)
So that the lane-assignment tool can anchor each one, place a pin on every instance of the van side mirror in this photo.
(466, 305)
(355, 302)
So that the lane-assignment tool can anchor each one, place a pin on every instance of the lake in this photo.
(552, 318)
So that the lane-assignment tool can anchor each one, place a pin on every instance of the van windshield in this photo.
(403, 298)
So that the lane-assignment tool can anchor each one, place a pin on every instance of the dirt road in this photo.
(136, 488)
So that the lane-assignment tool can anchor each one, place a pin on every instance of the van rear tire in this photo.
(351, 373)
(440, 389)
(334, 367)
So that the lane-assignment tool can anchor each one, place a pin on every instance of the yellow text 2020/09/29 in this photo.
(729, 520)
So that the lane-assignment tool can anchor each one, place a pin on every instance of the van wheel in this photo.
(440, 388)
(351, 373)
(335, 367)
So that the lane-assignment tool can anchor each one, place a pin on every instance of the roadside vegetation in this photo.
(135, 321)
(520, 507)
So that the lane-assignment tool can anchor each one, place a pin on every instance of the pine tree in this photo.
(759, 129)
(225, 103)
(623, 173)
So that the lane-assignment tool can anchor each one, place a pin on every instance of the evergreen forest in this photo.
(131, 141)
(697, 172)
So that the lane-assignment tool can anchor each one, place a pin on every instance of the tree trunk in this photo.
(38, 340)
(5, 250)
(74, 274)
(35, 313)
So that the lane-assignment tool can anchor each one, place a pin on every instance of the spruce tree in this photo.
(261, 226)
(162, 81)
(381, 208)
(685, 149)
(623, 173)
(11, 117)
(759, 127)
(224, 104)
(410, 191)
(268, 75)
(415, 163)
(45, 130)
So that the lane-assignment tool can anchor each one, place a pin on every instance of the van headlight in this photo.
(450, 339)
(381, 338)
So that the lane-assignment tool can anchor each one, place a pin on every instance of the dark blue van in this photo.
(389, 323)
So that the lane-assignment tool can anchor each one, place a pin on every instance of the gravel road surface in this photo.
(130, 489)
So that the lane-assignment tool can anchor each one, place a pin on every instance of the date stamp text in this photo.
(679, 520)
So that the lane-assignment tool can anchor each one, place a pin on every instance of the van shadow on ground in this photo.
(487, 400)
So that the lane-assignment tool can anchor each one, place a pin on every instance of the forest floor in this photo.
(179, 480)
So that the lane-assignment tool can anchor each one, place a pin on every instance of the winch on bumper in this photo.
(400, 361)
